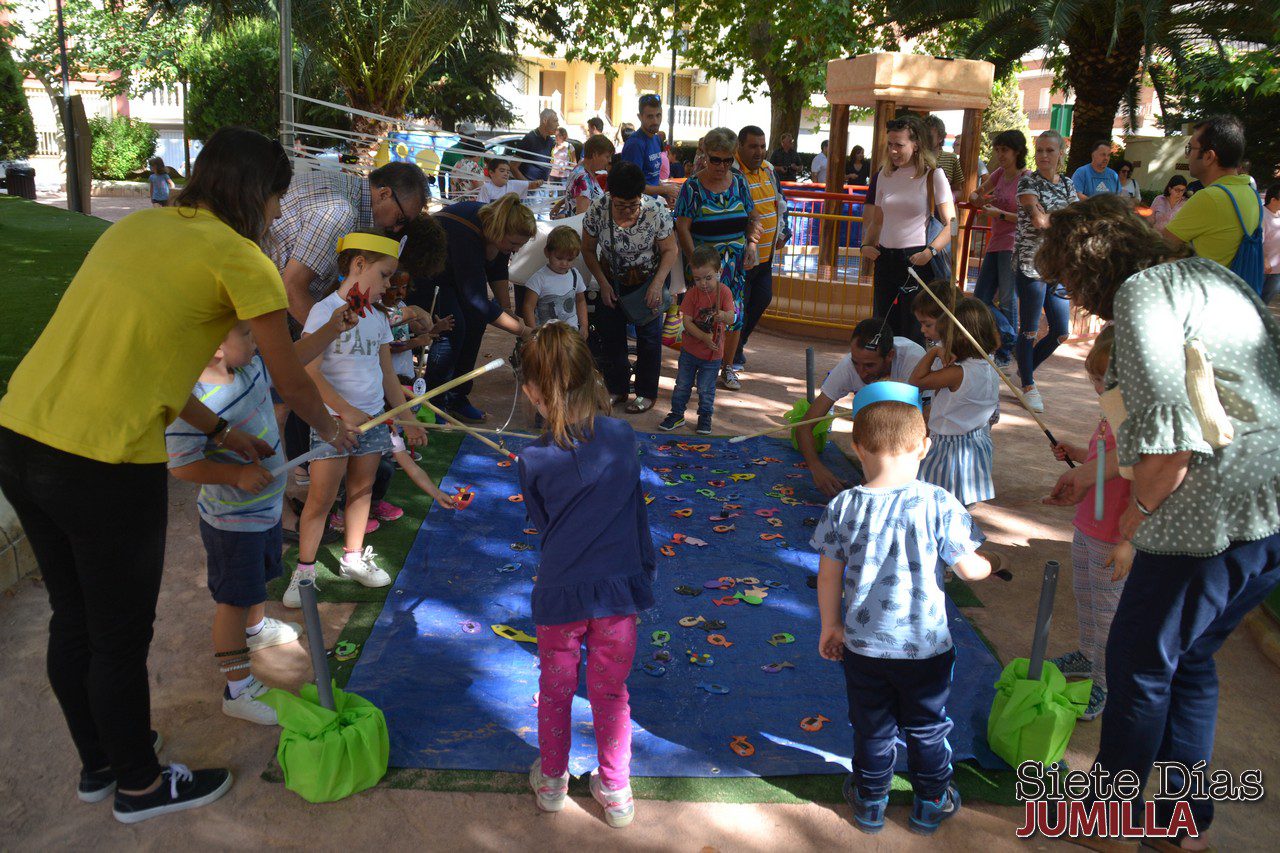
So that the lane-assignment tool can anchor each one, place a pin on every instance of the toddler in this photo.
(500, 182)
(161, 183)
(557, 292)
(707, 309)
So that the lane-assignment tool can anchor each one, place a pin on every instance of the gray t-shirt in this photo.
(557, 295)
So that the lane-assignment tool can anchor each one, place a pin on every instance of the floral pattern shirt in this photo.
(635, 246)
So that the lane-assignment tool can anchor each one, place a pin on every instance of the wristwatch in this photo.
(932, 251)
(218, 427)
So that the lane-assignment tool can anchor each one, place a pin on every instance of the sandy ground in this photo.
(38, 809)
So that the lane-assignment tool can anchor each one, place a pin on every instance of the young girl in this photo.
(1097, 545)
(562, 156)
(355, 378)
(160, 181)
(926, 310)
(581, 486)
(966, 392)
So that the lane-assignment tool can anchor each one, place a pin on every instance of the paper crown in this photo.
(886, 392)
(370, 243)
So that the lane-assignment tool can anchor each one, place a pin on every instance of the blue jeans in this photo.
(1162, 685)
(690, 370)
(995, 285)
(1270, 285)
(1033, 296)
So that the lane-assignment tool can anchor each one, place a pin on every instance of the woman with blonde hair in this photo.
(482, 239)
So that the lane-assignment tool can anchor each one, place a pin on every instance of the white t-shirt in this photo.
(969, 406)
(351, 363)
(818, 168)
(903, 200)
(844, 379)
(557, 295)
(1271, 240)
(491, 192)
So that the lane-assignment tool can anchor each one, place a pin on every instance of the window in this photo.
(684, 90)
(649, 83)
(1044, 98)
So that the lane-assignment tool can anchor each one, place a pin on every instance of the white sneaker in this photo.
(362, 569)
(550, 790)
(249, 705)
(619, 809)
(1034, 401)
(273, 633)
(292, 598)
(729, 379)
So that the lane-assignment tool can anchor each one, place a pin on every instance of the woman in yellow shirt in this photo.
(82, 452)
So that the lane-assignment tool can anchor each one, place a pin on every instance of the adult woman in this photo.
(896, 221)
(715, 207)
(1271, 243)
(82, 447)
(1128, 183)
(1166, 205)
(482, 239)
(1205, 520)
(1039, 193)
(858, 170)
(628, 246)
(998, 196)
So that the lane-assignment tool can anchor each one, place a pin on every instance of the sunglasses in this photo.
(719, 161)
(650, 101)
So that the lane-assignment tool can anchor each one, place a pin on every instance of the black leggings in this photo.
(98, 533)
(891, 275)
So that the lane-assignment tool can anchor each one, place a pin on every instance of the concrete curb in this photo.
(16, 558)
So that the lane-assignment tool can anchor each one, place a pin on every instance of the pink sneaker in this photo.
(337, 523)
(384, 511)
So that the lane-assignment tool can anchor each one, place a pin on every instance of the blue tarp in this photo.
(459, 700)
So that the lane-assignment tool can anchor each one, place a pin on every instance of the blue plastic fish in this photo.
(718, 689)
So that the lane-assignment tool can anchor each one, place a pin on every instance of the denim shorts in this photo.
(241, 562)
(376, 440)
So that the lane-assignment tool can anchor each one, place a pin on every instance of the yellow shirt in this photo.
(148, 308)
(764, 195)
(1209, 223)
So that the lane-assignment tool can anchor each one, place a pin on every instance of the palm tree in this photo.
(1101, 46)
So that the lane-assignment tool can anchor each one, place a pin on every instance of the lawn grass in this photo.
(43, 247)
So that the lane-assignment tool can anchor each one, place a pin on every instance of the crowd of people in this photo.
(292, 310)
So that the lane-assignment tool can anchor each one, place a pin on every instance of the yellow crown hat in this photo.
(371, 243)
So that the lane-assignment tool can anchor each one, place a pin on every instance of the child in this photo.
(557, 292)
(966, 392)
(160, 182)
(562, 156)
(240, 506)
(581, 486)
(355, 378)
(707, 309)
(409, 331)
(500, 182)
(1097, 543)
(883, 545)
(467, 178)
(926, 309)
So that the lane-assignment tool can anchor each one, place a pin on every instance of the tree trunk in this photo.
(787, 99)
(1100, 78)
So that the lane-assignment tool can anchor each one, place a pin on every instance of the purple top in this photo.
(1004, 195)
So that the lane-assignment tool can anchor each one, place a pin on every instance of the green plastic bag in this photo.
(327, 755)
(1033, 720)
(820, 429)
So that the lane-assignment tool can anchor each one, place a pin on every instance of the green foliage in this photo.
(231, 75)
(1004, 113)
(461, 84)
(17, 131)
(121, 145)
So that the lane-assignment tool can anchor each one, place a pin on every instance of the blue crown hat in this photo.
(886, 392)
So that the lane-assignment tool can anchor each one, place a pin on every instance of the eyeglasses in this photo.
(625, 206)
(719, 161)
(1188, 148)
(403, 219)
(650, 101)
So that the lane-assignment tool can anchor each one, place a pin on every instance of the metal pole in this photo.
(671, 87)
(1044, 616)
(808, 374)
(286, 74)
(315, 642)
(68, 123)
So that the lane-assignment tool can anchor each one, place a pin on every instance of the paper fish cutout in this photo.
(781, 639)
(508, 633)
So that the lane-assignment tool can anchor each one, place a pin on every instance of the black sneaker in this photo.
(179, 789)
(96, 785)
(704, 425)
(670, 422)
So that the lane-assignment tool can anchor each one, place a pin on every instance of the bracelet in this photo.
(337, 431)
(1142, 508)
(222, 439)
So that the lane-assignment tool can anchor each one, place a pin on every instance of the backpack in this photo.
(1248, 260)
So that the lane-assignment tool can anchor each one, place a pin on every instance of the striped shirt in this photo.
(245, 403)
(318, 209)
(765, 194)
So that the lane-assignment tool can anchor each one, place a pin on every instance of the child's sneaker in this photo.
(729, 379)
(292, 598)
(249, 705)
(337, 520)
(1097, 701)
(179, 789)
(1073, 664)
(384, 511)
(704, 425)
(619, 809)
(549, 790)
(361, 568)
(670, 422)
(96, 785)
(868, 815)
(274, 632)
(926, 815)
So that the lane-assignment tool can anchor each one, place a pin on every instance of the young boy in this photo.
(883, 546)
(500, 182)
(240, 507)
(707, 310)
(557, 291)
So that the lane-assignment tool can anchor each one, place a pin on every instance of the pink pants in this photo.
(611, 647)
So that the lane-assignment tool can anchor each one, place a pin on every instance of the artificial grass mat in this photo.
(43, 248)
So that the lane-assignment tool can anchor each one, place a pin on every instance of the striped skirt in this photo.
(961, 464)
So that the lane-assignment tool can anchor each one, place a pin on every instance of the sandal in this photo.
(639, 406)
(617, 399)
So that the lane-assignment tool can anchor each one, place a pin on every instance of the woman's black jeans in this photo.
(891, 275)
(455, 352)
(98, 533)
(610, 325)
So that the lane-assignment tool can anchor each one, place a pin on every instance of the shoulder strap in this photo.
(928, 183)
(1239, 217)
(456, 218)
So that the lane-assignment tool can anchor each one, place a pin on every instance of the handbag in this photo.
(940, 264)
(632, 284)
